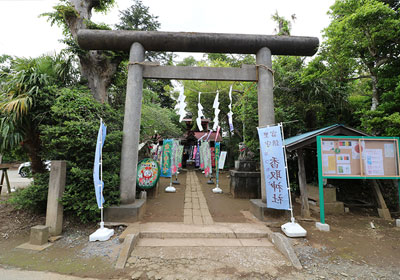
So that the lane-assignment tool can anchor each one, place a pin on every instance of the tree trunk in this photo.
(305, 209)
(96, 67)
(98, 70)
(375, 94)
(32, 146)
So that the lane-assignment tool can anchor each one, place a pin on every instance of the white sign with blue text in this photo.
(274, 167)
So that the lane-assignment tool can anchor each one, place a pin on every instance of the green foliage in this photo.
(138, 17)
(72, 137)
(63, 12)
(247, 111)
(33, 198)
(362, 38)
(28, 89)
(158, 120)
(99, 26)
(284, 25)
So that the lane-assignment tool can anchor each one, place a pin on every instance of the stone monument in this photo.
(245, 179)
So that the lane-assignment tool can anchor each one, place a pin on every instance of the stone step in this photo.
(214, 231)
(203, 242)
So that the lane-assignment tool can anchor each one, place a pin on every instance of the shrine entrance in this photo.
(137, 42)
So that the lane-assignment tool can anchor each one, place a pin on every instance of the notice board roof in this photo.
(309, 138)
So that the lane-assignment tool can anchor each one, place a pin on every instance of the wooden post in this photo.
(383, 211)
(305, 209)
(4, 175)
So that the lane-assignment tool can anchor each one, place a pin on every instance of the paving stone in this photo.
(188, 212)
(207, 220)
(188, 219)
(197, 220)
(188, 205)
(196, 212)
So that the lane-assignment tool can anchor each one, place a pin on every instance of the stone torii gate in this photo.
(137, 42)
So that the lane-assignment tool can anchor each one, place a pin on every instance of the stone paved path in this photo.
(196, 208)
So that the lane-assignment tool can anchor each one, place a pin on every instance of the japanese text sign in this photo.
(274, 167)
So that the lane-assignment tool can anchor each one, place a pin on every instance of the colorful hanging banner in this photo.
(174, 158)
(217, 153)
(180, 154)
(197, 156)
(148, 173)
(166, 158)
(202, 155)
(271, 145)
(212, 151)
(207, 159)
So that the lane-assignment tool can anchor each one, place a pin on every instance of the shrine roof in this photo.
(309, 139)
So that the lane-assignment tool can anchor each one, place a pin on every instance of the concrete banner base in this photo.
(127, 213)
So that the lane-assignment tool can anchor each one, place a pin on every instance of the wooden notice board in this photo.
(358, 157)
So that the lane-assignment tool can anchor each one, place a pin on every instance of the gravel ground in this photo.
(207, 263)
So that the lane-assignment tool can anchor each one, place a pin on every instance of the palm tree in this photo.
(27, 90)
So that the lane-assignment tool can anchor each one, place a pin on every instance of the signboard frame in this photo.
(324, 151)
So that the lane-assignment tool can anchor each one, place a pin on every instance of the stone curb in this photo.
(130, 242)
(282, 243)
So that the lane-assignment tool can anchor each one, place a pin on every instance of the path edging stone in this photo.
(283, 244)
(129, 244)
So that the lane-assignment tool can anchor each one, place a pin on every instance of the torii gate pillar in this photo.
(266, 115)
(130, 138)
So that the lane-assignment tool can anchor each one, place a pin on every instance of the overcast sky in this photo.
(23, 33)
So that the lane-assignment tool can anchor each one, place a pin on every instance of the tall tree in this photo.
(364, 36)
(27, 91)
(98, 67)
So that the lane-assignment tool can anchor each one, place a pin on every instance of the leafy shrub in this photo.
(34, 197)
(70, 134)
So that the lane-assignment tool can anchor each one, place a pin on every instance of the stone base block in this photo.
(28, 246)
(330, 207)
(384, 214)
(245, 165)
(39, 235)
(334, 207)
(245, 184)
(322, 227)
(126, 213)
(397, 222)
(329, 193)
(260, 211)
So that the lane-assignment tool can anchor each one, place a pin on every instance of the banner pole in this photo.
(101, 175)
(287, 173)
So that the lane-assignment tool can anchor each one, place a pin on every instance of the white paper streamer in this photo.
(181, 105)
(216, 111)
(199, 114)
(230, 113)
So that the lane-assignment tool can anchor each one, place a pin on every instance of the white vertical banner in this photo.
(199, 114)
(273, 159)
(222, 158)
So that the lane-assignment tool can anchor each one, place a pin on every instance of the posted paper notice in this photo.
(373, 162)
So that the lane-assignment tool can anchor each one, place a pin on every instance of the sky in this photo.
(24, 34)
